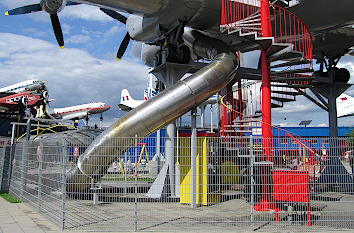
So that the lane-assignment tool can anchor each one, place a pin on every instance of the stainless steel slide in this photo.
(162, 109)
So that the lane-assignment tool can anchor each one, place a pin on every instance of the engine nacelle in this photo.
(53, 6)
(142, 28)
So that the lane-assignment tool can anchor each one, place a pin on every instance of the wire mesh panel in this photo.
(37, 177)
(215, 184)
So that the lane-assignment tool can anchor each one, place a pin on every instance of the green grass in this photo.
(9, 198)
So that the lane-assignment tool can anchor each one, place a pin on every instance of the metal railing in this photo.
(286, 27)
(232, 189)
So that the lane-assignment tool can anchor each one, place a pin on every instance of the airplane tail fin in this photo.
(126, 101)
(125, 97)
(345, 105)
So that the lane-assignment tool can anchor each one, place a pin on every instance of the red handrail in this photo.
(244, 16)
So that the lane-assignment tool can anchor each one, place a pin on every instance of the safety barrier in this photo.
(226, 193)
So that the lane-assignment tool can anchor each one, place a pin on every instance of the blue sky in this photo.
(86, 70)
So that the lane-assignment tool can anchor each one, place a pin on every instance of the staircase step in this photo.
(265, 42)
(292, 63)
(287, 79)
(293, 93)
(294, 86)
(282, 99)
(246, 46)
(287, 56)
(293, 71)
(245, 121)
(257, 114)
(277, 47)
(274, 105)
(249, 35)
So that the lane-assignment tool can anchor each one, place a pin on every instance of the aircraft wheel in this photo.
(184, 54)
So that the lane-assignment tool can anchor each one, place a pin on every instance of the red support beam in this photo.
(266, 93)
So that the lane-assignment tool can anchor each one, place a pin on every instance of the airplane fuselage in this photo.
(29, 85)
(79, 111)
(206, 14)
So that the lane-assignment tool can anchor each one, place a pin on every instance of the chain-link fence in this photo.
(206, 183)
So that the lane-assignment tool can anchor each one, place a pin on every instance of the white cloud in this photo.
(78, 39)
(85, 12)
(112, 32)
(66, 28)
(74, 76)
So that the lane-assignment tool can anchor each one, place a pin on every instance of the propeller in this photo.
(53, 16)
(125, 42)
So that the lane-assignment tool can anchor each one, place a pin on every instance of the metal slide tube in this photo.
(148, 117)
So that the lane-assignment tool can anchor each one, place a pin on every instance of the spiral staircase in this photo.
(288, 50)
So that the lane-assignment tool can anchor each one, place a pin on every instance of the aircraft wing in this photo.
(124, 107)
(75, 116)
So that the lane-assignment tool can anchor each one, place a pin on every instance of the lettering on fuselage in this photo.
(19, 98)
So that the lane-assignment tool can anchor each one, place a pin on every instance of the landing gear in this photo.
(334, 73)
(172, 47)
(101, 120)
(171, 53)
(86, 120)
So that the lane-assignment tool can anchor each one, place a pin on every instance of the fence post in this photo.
(63, 184)
(23, 168)
(252, 160)
(136, 184)
(194, 160)
(12, 152)
(125, 172)
(40, 167)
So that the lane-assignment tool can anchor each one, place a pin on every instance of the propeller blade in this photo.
(57, 29)
(70, 3)
(123, 46)
(24, 10)
(115, 15)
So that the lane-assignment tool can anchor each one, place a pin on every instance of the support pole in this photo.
(266, 107)
(25, 159)
(170, 154)
(332, 114)
(202, 116)
(194, 160)
(63, 181)
(211, 119)
(266, 92)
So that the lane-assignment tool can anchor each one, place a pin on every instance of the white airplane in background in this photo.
(127, 103)
(28, 85)
(345, 106)
(78, 112)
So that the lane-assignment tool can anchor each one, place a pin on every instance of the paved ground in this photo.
(20, 218)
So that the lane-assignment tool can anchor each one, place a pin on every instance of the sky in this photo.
(86, 70)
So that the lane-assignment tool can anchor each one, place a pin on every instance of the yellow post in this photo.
(121, 165)
(205, 172)
(147, 155)
(177, 162)
(141, 154)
